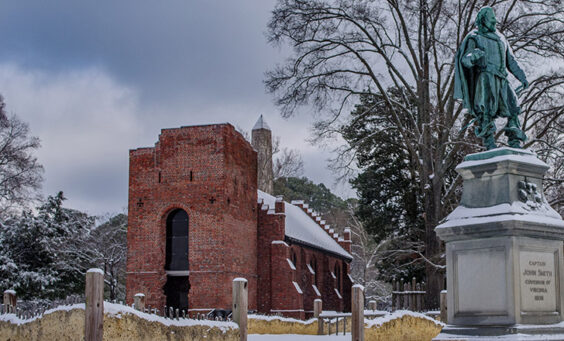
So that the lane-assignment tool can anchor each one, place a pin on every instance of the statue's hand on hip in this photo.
(477, 54)
(473, 58)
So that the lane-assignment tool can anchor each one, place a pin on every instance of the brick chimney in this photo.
(279, 205)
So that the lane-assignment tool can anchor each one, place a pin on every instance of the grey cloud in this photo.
(196, 50)
(96, 78)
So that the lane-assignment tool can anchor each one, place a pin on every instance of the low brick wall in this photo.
(120, 323)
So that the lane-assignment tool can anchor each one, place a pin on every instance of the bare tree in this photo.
(109, 251)
(343, 49)
(20, 172)
(288, 163)
(544, 120)
(366, 255)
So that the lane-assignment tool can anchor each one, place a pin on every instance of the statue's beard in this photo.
(486, 28)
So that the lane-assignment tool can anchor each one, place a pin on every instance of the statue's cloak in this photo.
(464, 78)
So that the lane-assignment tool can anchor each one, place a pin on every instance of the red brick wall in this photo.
(270, 228)
(210, 172)
(286, 300)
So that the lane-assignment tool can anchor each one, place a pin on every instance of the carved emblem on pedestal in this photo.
(529, 194)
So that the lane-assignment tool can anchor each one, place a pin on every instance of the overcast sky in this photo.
(96, 78)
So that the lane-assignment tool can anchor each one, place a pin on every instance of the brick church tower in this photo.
(192, 210)
(262, 143)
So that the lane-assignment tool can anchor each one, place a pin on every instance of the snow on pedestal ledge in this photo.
(239, 279)
(519, 211)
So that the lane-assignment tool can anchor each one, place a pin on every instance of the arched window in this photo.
(313, 265)
(338, 275)
(177, 241)
(294, 258)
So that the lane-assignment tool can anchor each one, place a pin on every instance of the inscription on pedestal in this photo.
(538, 289)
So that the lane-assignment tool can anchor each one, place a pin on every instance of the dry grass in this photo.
(275, 326)
(405, 328)
(69, 326)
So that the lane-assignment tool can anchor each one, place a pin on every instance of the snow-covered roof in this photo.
(261, 124)
(301, 227)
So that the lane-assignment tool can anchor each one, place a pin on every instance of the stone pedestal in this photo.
(503, 244)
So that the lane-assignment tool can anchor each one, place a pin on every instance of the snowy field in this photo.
(513, 337)
(292, 337)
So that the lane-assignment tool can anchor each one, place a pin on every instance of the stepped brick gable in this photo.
(197, 221)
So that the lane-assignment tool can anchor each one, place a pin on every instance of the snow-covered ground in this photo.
(292, 337)
(512, 337)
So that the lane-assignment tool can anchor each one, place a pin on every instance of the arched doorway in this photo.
(176, 262)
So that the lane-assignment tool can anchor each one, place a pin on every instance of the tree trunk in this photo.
(435, 276)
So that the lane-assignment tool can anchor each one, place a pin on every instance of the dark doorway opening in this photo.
(176, 290)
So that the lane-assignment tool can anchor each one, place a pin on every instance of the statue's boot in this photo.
(514, 143)
(485, 129)
(489, 142)
(514, 136)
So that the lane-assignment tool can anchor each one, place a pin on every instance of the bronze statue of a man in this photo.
(480, 81)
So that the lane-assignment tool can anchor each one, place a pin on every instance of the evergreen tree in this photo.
(45, 255)
(319, 198)
(390, 200)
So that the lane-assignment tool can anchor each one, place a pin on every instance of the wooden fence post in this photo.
(317, 310)
(139, 302)
(394, 295)
(372, 305)
(9, 301)
(401, 295)
(94, 312)
(357, 318)
(240, 306)
(444, 315)
(412, 303)
(418, 297)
